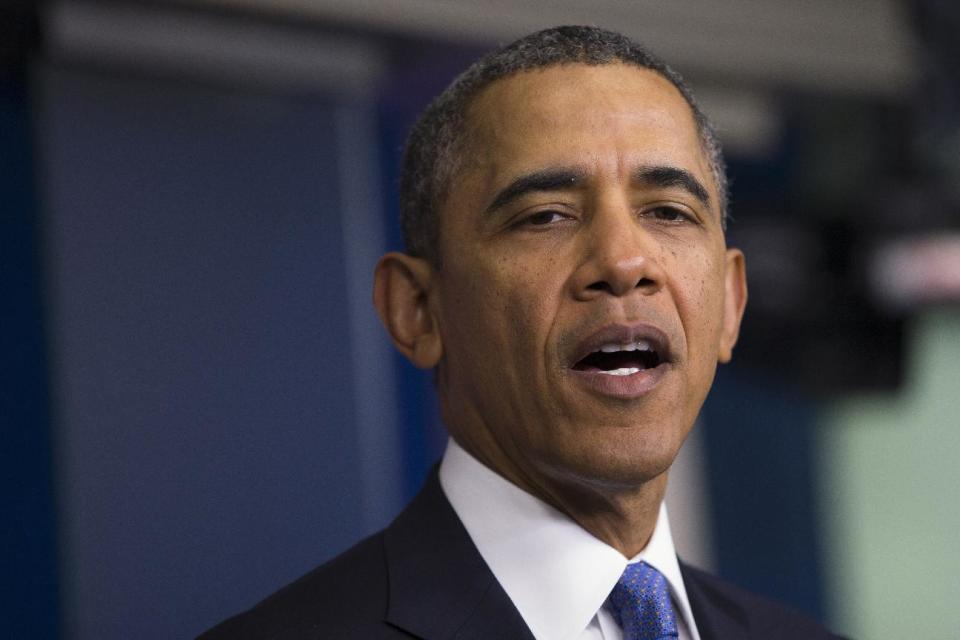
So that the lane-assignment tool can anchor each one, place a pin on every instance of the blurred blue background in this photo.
(198, 404)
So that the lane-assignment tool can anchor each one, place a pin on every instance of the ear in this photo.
(735, 300)
(402, 288)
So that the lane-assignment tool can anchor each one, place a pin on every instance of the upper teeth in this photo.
(639, 345)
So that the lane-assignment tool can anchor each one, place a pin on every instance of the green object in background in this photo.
(891, 479)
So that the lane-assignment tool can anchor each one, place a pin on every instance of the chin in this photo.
(611, 465)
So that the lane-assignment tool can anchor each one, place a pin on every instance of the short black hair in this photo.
(432, 153)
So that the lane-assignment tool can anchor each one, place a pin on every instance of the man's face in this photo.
(586, 292)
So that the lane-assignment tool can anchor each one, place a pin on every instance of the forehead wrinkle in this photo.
(490, 140)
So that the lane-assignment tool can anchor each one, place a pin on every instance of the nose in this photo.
(620, 257)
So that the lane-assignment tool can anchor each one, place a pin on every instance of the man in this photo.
(567, 278)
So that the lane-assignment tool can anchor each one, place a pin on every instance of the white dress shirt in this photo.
(556, 573)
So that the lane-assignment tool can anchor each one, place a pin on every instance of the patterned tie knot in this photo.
(641, 603)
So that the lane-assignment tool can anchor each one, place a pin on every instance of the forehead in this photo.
(603, 117)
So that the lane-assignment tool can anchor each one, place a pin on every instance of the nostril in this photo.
(645, 283)
(603, 285)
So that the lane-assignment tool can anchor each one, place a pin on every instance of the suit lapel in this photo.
(439, 585)
(440, 588)
(717, 617)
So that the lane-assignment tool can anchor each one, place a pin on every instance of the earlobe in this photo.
(402, 287)
(735, 301)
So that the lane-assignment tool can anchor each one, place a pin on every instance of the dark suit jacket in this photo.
(422, 577)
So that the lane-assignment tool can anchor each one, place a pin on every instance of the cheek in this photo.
(700, 303)
(496, 308)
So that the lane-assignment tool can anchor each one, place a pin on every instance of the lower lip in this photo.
(633, 386)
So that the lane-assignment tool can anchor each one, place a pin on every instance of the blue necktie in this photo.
(641, 604)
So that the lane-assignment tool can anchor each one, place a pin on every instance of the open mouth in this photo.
(616, 359)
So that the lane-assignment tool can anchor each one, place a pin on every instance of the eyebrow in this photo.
(565, 178)
(553, 179)
(666, 177)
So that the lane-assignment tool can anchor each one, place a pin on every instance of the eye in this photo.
(666, 213)
(543, 218)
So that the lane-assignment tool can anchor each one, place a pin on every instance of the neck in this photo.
(621, 514)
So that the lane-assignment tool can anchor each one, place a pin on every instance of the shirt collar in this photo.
(556, 573)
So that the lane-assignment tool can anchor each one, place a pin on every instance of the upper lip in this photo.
(624, 334)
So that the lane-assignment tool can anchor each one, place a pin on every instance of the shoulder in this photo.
(346, 597)
(719, 604)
